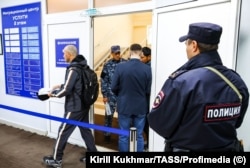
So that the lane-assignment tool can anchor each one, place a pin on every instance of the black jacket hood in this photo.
(79, 59)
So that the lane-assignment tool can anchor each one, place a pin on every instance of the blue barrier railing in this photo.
(73, 122)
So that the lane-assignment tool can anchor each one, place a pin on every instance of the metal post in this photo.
(133, 140)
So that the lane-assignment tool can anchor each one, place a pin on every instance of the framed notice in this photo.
(22, 48)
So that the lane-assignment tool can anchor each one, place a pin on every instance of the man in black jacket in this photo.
(74, 109)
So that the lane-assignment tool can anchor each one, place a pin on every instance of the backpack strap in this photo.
(226, 80)
(78, 68)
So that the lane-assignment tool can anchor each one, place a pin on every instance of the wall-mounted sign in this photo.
(22, 44)
(60, 44)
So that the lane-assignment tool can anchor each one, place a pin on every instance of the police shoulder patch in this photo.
(158, 99)
(177, 73)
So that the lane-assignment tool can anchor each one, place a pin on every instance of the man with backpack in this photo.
(75, 108)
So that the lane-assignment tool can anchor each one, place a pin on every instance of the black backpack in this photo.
(90, 88)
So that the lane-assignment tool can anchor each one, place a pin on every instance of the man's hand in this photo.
(51, 95)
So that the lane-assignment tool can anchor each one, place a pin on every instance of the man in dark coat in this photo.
(132, 84)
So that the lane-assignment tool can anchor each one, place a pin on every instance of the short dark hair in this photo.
(207, 47)
(204, 47)
(135, 47)
(146, 51)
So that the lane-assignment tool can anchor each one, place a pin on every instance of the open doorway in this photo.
(112, 30)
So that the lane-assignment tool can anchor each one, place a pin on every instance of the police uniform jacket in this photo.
(71, 89)
(196, 109)
(106, 78)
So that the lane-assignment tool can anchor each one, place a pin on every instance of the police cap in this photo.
(203, 32)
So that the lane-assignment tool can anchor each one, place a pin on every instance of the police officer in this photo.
(197, 109)
(106, 79)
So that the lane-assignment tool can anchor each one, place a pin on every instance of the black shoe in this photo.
(50, 161)
(145, 147)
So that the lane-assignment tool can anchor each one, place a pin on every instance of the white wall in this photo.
(107, 32)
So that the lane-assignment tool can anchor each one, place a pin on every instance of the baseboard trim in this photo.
(26, 128)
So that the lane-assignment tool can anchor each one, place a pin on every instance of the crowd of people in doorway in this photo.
(126, 89)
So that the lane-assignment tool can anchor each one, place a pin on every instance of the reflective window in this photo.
(56, 6)
(105, 3)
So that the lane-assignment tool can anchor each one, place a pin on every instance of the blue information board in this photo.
(60, 44)
(22, 46)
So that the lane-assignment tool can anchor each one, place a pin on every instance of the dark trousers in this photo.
(65, 130)
(146, 129)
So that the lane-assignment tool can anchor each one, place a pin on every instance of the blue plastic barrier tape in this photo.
(73, 122)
